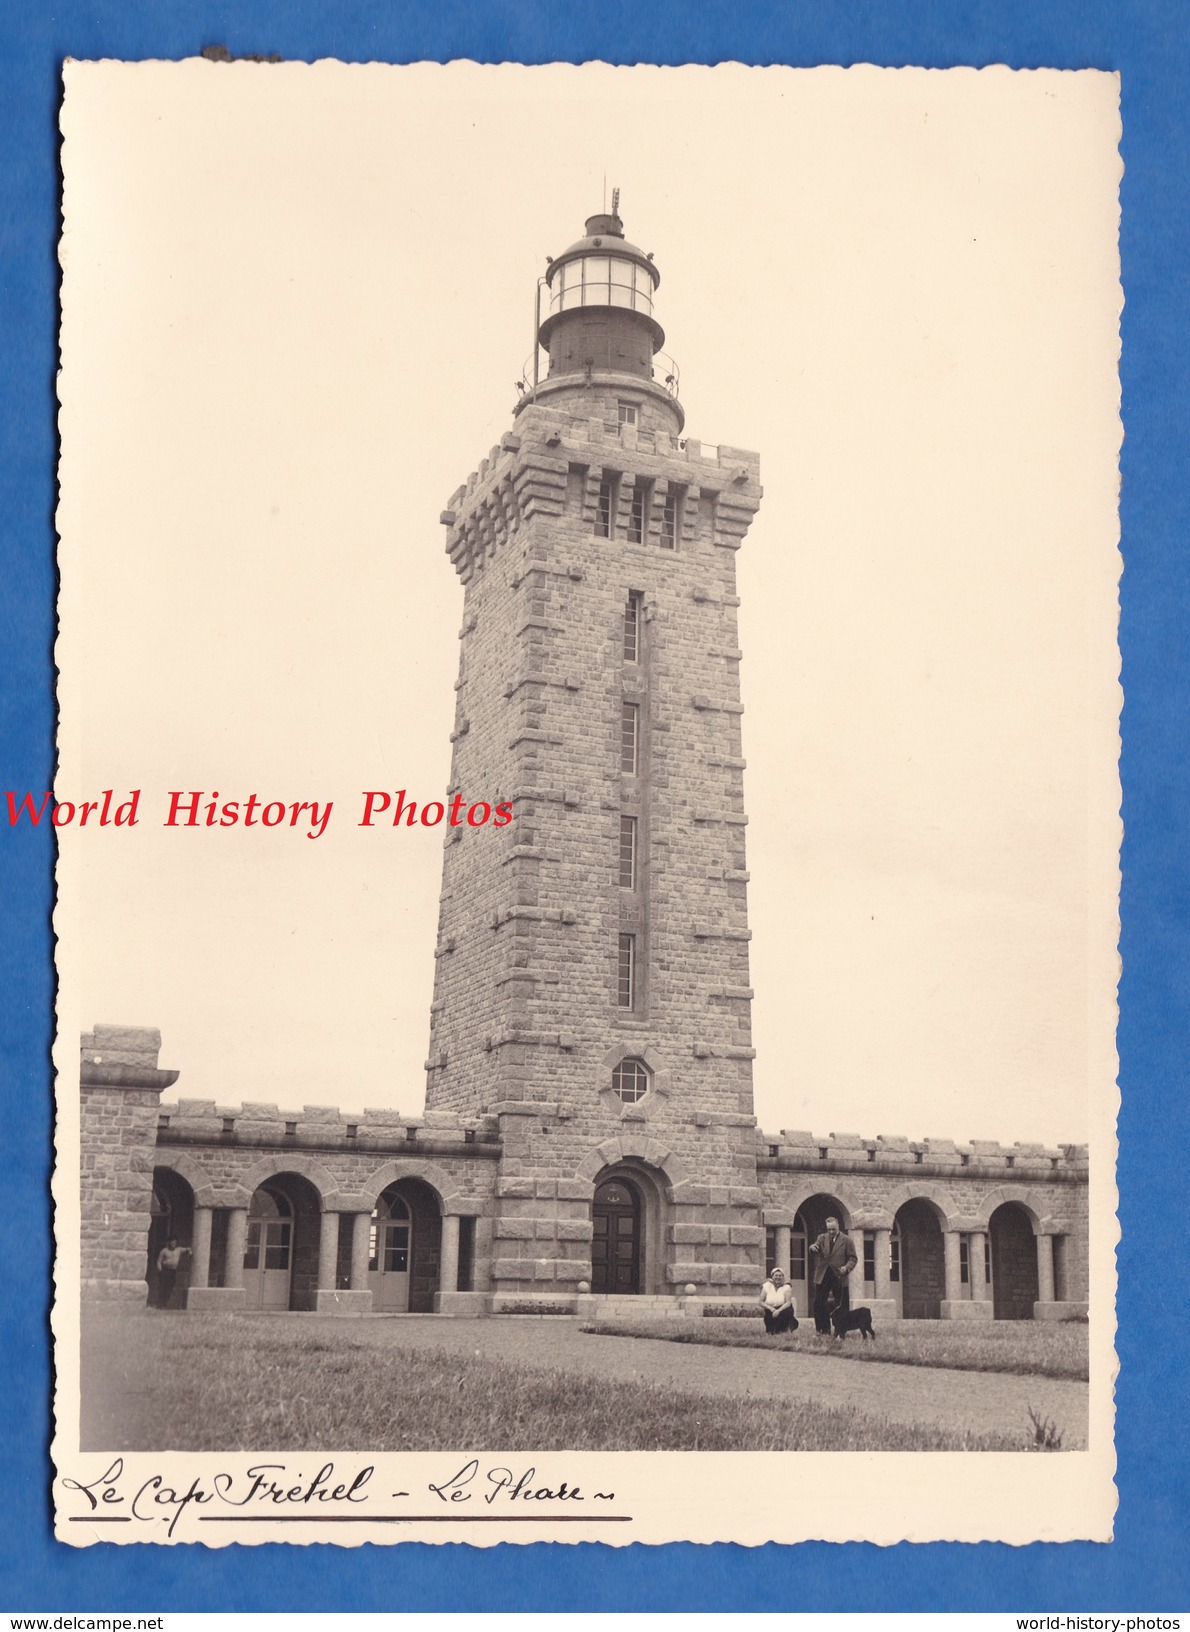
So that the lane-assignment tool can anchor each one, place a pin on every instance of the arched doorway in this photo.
(921, 1260)
(808, 1224)
(1014, 1263)
(390, 1259)
(405, 1247)
(281, 1250)
(616, 1245)
(172, 1218)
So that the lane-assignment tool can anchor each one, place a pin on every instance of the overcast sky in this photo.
(296, 304)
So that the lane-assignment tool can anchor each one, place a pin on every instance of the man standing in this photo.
(169, 1261)
(776, 1300)
(834, 1259)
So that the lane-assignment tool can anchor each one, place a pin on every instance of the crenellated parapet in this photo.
(526, 475)
(799, 1150)
(323, 1127)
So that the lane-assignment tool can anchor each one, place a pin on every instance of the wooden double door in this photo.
(616, 1244)
(268, 1250)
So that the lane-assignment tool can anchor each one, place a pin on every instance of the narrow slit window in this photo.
(626, 973)
(894, 1257)
(630, 738)
(987, 1260)
(638, 520)
(869, 1255)
(964, 1262)
(576, 482)
(605, 507)
(671, 519)
(632, 611)
(628, 852)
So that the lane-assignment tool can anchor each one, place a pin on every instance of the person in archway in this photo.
(834, 1259)
(169, 1261)
(776, 1302)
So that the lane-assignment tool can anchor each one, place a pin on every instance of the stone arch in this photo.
(808, 1190)
(444, 1184)
(270, 1167)
(627, 1146)
(189, 1168)
(948, 1219)
(1031, 1202)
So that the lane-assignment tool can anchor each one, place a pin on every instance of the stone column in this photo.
(200, 1249)
(361, 1236)
(356, 1298)
(448, 1277)
(202, 1295)
(883, 1263)
(784, 1235)
(976, 1262)
(952, 1243)
(328, 1251)
(954, 1305)
(1045, 1268)
(237, 1236)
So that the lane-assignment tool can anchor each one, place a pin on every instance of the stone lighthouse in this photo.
(592, 988)
(588, 1142)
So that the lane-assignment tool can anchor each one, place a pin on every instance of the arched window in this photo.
(391, 1223)
(630, 1080)
(270, 1230)
(269, 1203)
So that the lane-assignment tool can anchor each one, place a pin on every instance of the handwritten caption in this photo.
(286, 1493)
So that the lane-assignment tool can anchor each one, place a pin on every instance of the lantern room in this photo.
(596, 308)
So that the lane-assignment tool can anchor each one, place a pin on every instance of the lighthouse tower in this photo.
(592, 989)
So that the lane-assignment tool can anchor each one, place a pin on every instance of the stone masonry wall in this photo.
(120, 1087)
(525, 1019)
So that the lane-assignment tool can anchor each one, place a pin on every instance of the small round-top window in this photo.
(630, 1080)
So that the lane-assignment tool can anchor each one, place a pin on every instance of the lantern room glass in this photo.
(601, 280)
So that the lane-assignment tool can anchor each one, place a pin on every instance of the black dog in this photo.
(855, 1320)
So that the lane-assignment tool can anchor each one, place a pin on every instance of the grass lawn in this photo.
(215, 1382)
(1026, 1347)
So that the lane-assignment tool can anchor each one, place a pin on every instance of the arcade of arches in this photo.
(918, 1267)
(283, 1251)
(530, 1210)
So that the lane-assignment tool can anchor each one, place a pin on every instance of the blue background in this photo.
(1146, 1567)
